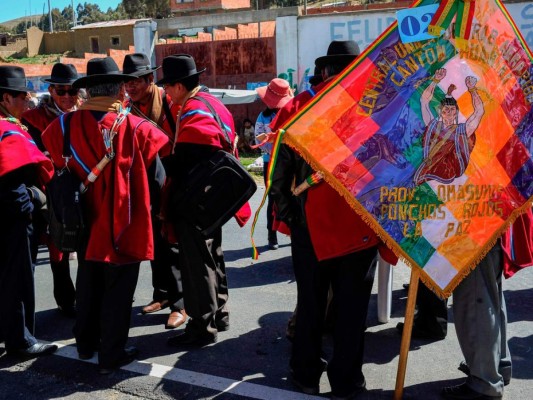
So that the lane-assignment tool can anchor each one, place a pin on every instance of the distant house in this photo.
(203, 6)
(100, 37)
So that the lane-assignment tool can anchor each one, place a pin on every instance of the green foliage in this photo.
(146, 8)
(88, 13)
(38, 59)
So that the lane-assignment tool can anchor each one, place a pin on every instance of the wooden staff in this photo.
(406, 335)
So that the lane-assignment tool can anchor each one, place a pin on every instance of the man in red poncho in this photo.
(63, 98)
(116, 206)
(146, 100)
(23, 169)
(199, 135)
(331, 246)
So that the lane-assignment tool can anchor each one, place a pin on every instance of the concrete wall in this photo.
(170, 26)
(59, 42)
(35, 41)
(104, 36)
(298, 44)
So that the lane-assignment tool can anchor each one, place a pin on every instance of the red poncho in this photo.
(118, 203)
(197, 126)
(17, 149)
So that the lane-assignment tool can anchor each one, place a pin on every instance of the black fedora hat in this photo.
(340, 52)
(101, 70)
(63, 74)
(137, 64)
(13, 78)
(178, 67)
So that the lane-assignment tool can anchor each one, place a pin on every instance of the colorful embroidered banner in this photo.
(431, 142)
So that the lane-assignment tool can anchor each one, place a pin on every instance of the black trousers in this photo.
(64, 292)
(17, 290)
(166, 274)
(431, 312)
(351, 278)
(205, 286)
(104, 294)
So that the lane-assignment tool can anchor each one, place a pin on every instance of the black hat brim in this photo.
(341, 59)
(60, 81)
(170, 79)
(17, 88)
(96, 79)
(138, 74)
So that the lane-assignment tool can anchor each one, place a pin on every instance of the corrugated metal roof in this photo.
(110, 24)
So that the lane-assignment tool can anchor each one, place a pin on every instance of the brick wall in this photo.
(229, 63)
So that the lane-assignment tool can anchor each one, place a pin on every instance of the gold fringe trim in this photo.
(389, 242)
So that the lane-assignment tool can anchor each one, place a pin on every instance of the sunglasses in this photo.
(71, 92)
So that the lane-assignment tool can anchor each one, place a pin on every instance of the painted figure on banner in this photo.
(447, 143)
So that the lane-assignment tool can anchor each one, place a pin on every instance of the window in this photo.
(115, 40)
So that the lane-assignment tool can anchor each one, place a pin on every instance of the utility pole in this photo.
(50, 17)
(74, 22)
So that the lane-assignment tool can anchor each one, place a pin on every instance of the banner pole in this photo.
(407, 329)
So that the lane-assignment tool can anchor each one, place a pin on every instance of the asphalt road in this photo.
(250, 361)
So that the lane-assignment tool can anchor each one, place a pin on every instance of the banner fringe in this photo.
(442, 293)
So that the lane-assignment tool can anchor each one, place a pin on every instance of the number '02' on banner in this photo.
(413, 23)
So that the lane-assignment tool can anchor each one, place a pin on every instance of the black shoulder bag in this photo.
(63, 194)
(215, 189)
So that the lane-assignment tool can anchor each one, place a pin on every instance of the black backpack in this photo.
(66, 226)
(214, 190)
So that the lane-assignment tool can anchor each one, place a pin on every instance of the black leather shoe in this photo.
(305, 385)
(463, 392)
(190, 339)
(465, 369)
(359, 388)
(129, 355)
(222, 326)
(37, 350)
(305, 388)
(418, 333)
(85, 356)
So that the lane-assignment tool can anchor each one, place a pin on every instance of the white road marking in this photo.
(223, 385)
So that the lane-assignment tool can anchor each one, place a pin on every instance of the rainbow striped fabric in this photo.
(431, 142)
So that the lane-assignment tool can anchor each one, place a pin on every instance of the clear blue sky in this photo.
(20, 8)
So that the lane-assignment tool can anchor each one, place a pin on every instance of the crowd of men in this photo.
(156, 133)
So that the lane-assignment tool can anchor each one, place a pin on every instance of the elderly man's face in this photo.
(65, 96)
(17, 104)
(139, 89)
(176, 91)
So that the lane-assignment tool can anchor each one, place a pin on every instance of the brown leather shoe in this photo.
(176, 319)
(155, 306)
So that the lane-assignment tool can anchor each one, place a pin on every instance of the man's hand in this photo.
(38, 198)
(439, 74)
(470, 82)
